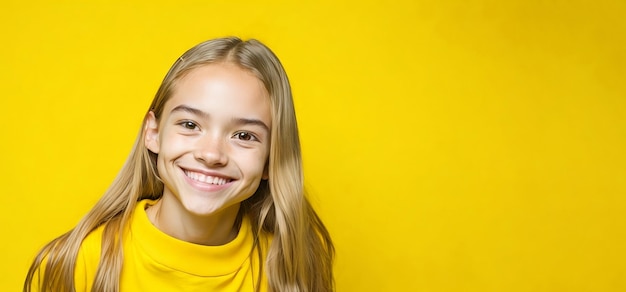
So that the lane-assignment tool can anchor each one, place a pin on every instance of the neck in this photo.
(213, 230)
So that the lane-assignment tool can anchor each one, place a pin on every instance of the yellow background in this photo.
(448, 145)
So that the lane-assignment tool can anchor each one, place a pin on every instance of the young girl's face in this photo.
(212, 139)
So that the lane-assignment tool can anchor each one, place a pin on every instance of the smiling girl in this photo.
(211, 197)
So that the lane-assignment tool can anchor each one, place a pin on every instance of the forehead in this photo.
(222, 90)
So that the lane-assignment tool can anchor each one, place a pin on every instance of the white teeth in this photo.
(214, 180)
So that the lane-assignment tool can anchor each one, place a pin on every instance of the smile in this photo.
(207, 179)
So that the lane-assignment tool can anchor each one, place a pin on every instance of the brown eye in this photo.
(245, 136)
(189, 125)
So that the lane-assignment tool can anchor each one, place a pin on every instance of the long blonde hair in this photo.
(301, 253)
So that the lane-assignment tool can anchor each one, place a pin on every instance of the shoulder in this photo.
(86, 263)
(88, 259)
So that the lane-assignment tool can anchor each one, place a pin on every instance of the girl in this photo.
(211, 197)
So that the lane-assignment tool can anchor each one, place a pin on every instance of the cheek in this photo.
(171, 143)
(171, 147)
(254, 163)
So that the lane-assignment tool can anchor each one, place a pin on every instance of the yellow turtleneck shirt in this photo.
(155, 261)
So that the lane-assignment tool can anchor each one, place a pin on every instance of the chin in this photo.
(207, 207)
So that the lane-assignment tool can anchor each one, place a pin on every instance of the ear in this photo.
(151, 132)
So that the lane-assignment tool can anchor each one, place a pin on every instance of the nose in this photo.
(211, 151)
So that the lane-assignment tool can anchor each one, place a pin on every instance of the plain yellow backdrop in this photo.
(448, 145)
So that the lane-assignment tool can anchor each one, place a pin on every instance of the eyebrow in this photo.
(243, 121)
(195, 111)
(205, 115)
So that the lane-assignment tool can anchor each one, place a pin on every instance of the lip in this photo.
(203, 186)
